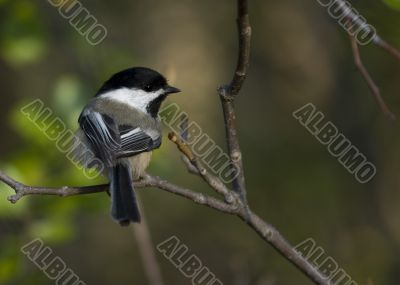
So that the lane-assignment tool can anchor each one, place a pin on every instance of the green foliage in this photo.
(10, 259)
(395, 4)
(22, 35)
(39, 162)
(68, 99)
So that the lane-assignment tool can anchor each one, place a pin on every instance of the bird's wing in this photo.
(103, 135)
(110, 141)
(134, 141)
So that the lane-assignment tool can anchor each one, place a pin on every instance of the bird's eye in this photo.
(147, 88)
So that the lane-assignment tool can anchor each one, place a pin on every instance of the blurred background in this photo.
(299, 55)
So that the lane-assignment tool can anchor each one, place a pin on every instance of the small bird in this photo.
(121, 127)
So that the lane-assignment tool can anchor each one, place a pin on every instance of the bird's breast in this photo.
(139, 164)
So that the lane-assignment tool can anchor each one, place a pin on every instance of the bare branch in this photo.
(22, 190)
(387, 47)
(352, 17)
(228, 94)
(183, 147)
(235, 204)
(213, 181)
(244, 29)
(274, 238)
(371, 84)
(265, 230)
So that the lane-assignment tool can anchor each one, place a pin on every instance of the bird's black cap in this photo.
(137, 77)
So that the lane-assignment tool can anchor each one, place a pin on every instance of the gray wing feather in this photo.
(136, 143)
(103, 135)
(109, 143)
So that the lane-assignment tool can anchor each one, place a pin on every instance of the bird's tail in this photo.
(124, 206)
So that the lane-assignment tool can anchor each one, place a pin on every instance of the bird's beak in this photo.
(172, 90)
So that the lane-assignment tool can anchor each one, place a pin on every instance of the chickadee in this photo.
(120, 125)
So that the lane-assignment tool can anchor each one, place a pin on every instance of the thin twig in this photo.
(371, 84)
(264, 230)
(229, 92)
(244, 29)
(387, 47)
(213, 181)
(184, 134)
(350, 17)
(238, 207)
(353, 17)
(22, 190)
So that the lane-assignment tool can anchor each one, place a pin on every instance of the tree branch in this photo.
(213, 181)
(368, 78)
(387, 47)
(244, 29)
(22, 190)
(264, 230)
(235, 206)
(229, 92)
(235, 201)
(353, 17)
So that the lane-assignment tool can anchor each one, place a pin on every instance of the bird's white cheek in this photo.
(141, 102)
(136, 99)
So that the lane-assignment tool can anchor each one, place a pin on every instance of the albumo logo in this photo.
(349, 18)
(337, 144)
(81, 19)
